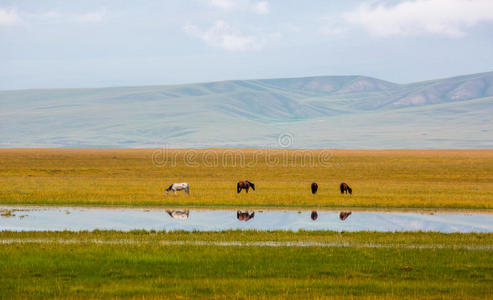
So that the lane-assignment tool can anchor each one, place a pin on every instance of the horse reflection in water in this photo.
(344, 215)
(179, 214)
(244, 216)
(314, 215)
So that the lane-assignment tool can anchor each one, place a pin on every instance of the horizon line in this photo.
(233, 80)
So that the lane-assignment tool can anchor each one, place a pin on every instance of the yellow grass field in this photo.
(455, 179)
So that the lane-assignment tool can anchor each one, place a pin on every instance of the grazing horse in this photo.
(178, 187)
(344, 214)
(178, 214)
(345, 188)
(244, 216)
(314, 187)
(244, 185)
(314, 215)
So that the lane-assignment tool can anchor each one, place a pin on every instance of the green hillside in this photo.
(326, 111)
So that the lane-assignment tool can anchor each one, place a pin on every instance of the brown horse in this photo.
(244, 216)
(314, 187)
(345, 188)
(244, 185)
(314, 215)
(344, 214)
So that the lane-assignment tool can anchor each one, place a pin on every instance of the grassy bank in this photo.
(383, 179)
(327, 237)
(114, 264)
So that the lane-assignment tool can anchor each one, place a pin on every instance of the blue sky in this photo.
(57, 44)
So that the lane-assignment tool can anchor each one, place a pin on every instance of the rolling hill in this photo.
(314, 112)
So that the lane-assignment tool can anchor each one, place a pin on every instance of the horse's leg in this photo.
(247, 189)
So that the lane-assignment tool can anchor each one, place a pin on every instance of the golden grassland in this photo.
(455, 179)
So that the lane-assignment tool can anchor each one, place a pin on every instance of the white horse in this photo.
(179, 214)
(178, 187)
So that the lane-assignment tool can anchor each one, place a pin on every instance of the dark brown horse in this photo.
(244, 216)
(345, 188)
(344, 214)
(244, 185)
(314, 215)
(314, 187)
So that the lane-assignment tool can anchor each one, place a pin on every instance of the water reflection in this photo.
(179, 214)
(71, 218)
(344, 214)
(244, 216)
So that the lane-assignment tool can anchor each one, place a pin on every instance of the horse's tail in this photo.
(188, 189)
(238, 188)
(342, 188)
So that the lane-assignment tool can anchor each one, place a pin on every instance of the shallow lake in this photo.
(125, 219)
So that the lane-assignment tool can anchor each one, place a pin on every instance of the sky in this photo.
(68, 44)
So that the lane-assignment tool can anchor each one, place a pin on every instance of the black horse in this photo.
(345, 188)
(244, 216)
(244, 185)
(314, 187)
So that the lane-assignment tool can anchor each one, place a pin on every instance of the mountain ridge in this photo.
(251, 79)
(321, 111)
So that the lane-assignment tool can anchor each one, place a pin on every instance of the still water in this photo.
(125, 219)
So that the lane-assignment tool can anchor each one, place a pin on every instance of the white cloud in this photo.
(444, 17)
(90, 17)
(258, 7)
(223, 35)
(332, 27)
(56, 17)
(332, 30)
(52, 14)
(9, 17)
(261, 8)
(223, 4)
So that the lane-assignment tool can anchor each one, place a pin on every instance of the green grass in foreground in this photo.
(454, 179)
(114, 264)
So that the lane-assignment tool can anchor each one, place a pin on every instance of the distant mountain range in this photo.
(309, 112)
